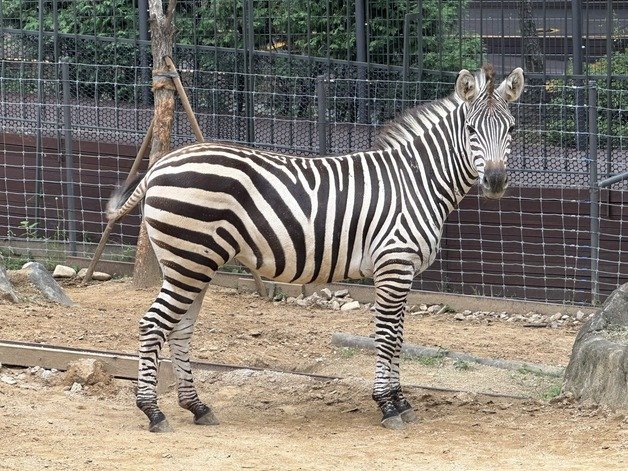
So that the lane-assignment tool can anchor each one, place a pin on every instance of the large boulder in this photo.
(598, 367)
(7, 293)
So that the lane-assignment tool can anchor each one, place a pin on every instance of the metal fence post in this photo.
(39, 160)
(361, 57)
(69, 158)
(322, 124)
(408, 18)
(576, 13)
(249, 48)
(142, 7)
(595, 194)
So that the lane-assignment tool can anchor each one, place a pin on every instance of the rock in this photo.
(76, 388)
(101, 276)
(39, 277)
(8, 379)
(434, 308)
(598, 365)
(96, 276)
(7, 293)
(61, 271)
(443, 310)
(326, 294)
(335, 305)
(580, 315)
(86, 372)
(341, 293)
(350, 306)
(459, 316)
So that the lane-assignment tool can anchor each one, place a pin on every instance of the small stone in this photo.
(255, 333)
(335, 305)
(423, 307)
(350, 306)
(580, 315)
(8, 379)
(326, 293)
(101, 276)
(76, 388)
(291, 300)
(459, 316)
(434, 308)
(341, 293)
(564, 317)
(466, 312)
(62, 271)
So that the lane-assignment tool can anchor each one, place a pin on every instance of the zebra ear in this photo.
(511, 88)
(466, 88)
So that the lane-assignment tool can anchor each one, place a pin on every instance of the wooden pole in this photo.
(105, 235)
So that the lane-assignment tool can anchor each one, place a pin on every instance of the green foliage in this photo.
(551, 392)
(103, 18)
(436, 360)
(348, 352)
(299, 27)
(561, 122)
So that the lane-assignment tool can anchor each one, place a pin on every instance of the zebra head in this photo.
(488, 124)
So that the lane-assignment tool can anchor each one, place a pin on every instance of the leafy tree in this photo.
(561, 94)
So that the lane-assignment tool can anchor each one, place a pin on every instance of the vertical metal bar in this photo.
(69, 158)
(609, 81)
(321, 98)
(577, 50)
(405, 75)
(142, 6)
(249, 47)
(361, 51)
(595, 193)
(407, 21)
(38, 131)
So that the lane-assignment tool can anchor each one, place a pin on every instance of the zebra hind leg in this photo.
(179, 341)
(168, 309)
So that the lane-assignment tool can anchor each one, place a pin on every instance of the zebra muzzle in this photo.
(494, 180)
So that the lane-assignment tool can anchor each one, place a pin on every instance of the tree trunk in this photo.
(532, 54)
(146, 272)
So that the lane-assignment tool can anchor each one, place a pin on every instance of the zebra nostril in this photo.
(485, 183)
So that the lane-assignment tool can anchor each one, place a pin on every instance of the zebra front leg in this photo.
(179, 341)
(400, 402)
(171, 304)
(392, 284)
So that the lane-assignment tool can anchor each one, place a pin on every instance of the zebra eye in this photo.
(471, 129)
(512, 129)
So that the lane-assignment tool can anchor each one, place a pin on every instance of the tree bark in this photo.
(532, 53)
(146, 272)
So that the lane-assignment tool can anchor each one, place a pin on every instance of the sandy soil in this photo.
(272, 420)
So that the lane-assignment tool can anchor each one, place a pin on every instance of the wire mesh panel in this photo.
(305, 78)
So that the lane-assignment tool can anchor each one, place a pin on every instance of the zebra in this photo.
(376, 214)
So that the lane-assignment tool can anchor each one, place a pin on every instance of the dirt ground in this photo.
(272, 420)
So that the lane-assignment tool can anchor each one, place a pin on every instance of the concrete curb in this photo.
(340, 339)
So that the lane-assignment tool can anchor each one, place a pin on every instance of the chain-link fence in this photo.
(306, 78)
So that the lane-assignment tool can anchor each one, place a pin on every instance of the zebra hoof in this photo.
(393, 423)
(161, 427)
(408, 416)
(206, 419)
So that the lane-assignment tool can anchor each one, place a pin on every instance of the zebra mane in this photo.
(414, 122)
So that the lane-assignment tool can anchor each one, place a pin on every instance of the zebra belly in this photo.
(358, 268)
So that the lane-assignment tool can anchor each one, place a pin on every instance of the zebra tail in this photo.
(126, 197)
